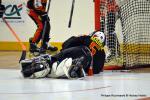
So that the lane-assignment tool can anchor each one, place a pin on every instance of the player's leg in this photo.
(68, 68)
(35, 39)
(36, 68)
(74, 53)
(45, 35)
(43, 66)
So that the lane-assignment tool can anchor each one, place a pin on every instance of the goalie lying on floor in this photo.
(73, 61)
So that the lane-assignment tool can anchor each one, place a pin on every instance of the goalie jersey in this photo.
(95, 46)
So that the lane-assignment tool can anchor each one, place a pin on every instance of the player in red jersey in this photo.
(37, 12)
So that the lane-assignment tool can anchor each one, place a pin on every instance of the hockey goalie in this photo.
(73, 61)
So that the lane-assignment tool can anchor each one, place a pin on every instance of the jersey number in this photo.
(93, 50)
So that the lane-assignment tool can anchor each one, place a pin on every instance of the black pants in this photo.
(75, 52)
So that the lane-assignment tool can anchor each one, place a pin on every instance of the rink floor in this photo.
(105, 86)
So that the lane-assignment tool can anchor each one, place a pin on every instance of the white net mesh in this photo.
(135, 24)
(108, 12)
(135, 19)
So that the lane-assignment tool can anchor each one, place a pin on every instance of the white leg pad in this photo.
(67, 66)
(53, 70)
(61, 69)
(65, 63)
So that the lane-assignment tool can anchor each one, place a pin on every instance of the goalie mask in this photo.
(100, 36)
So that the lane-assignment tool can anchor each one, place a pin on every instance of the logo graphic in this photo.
(13, 11)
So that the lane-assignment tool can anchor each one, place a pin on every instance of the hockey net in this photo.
(132, 49)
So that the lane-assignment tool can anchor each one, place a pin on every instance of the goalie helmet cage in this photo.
(135, 23)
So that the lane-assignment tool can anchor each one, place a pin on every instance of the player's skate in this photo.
(74, 68)
(52, 48)
(47, 48)
(33, 49)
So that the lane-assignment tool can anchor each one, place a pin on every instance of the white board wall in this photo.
(82, 21)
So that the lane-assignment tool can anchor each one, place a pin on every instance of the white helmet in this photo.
(99, 35)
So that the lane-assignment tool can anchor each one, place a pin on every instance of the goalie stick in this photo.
(23, 55)
(71, 14)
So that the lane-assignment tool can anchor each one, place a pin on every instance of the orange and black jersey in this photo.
(92, 43)
(95, 46)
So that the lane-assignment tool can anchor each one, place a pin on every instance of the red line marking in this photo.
(49, 92)
(146, 98)
(112, 67)
(15, 34)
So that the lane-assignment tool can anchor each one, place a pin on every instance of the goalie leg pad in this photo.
(26, 68)
(44, 70)
(75, 68)
(58, 68)
(65, 63)
(35, 68)
(68, 68)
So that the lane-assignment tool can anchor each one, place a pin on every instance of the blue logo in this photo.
(13, 11)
